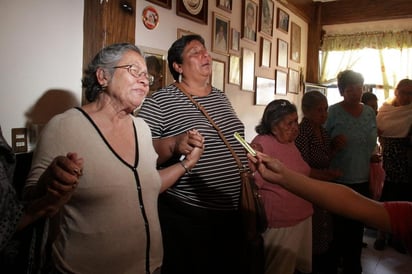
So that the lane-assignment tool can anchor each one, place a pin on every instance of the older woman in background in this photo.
(315, 146)
(288, 240)
(357, 123)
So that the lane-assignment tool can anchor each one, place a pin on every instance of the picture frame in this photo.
(181, 32)
(220, 34)
(218, 74)
(167, 78)
(282, 53)
(318, 87)
(265, 52)
(225, 5)
(248, 69)
(266, 17)
(249, 20)
(234, 70)
(196, 13)
(282, 20)
(234, 40)
(295, 39)
(281, 82)
(163, 3)
(265, 91)
(293, 81)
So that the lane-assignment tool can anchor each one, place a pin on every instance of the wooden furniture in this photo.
(106, 22)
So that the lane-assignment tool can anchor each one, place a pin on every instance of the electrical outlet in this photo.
(19, 139)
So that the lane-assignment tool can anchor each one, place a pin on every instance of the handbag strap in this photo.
(203, 110)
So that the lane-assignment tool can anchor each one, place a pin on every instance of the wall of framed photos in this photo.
(260, 45)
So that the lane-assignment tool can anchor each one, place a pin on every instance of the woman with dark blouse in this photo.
(315, 146)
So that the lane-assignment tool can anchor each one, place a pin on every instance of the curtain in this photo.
(383, 58)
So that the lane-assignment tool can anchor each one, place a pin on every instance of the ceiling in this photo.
(351, 11)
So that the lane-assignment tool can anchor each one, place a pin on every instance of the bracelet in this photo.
(188, 171)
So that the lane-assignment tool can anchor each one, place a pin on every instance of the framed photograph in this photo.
(182, 32)
(150, 54)
(235, 40)
(224, 5)
(218, 74)
(234, 70)
(265, 91)
(193, 10)
(220, 34)
(281, 82)
(294, 81)
(283, 21)
(265, 52)
(266, 17)
(249, 22)
(163, 3)
(295, 42)
(282, 54)
(312, 86)
(248, 69)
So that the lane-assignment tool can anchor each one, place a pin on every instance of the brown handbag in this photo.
(251, 205)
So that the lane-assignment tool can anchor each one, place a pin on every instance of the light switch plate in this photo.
(19, 139)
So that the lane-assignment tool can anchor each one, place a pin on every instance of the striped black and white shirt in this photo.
(214, 182)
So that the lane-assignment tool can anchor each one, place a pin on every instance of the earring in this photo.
(180, 78)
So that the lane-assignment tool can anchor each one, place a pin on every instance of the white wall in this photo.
(41, 55)
(42, 47)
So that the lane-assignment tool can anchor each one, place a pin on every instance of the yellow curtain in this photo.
(386, 54)
(376, 40)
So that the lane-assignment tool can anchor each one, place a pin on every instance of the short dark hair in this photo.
(311, 99)
(274, 112)
(347, 78)
(174, 54)
(367, 96)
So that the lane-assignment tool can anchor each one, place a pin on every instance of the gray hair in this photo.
(106, 59)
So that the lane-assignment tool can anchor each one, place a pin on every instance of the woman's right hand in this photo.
(60, 181)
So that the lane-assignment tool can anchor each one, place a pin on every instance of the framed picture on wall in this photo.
(234, 70)
(218, 74)
(220, 34)
(181, 32)
(265, 52)
(249, 22)
(224, 5)
(282, 20)
(282, 56)
(235, 40)
(266, 17)
(196, 12)
(163, 3)
(294, 81)
(265, 91)
(281, 82)
(248, 69)
(295, 42)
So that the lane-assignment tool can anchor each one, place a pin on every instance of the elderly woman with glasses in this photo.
(288, 240)
(110, 221)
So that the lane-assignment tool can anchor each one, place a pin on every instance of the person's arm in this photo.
(336, 198)
(171, 174)
(175, 146)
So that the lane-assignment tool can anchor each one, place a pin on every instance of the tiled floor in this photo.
(387, 261)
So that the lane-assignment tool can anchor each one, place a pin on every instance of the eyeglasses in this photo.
(133, 70)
